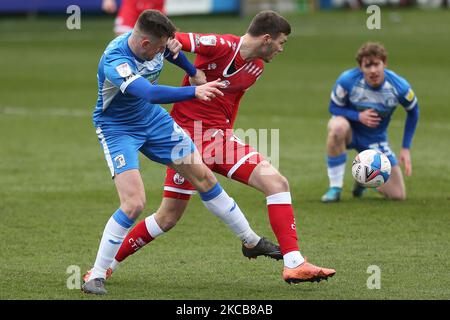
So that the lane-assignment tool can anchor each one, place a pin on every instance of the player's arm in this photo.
(338, 107)
(174, 55)
(122, 74)
(411, 106)
(202, 44)
(180, 60)
(157, 94)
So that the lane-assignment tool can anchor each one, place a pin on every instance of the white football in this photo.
(371, 168)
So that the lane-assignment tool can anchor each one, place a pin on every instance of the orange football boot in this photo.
(86, 276)
(307, 272)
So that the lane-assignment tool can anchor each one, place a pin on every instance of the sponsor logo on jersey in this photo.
(120, 161)
(124, 70)
(178, 179)
(222, 42)
(197, 40)
(410, 95)
(154, 77)
(208, 40)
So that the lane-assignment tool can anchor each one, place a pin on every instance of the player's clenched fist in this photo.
(209, 90)
(174, 47)
(369, 118)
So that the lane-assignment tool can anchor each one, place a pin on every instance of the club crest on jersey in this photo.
(178, 179)
(120, 161)
(124, 70)
(212, 66)
(208, 40)
(225, 83)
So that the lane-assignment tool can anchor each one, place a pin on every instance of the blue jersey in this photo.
(118, 67)
(352, 92)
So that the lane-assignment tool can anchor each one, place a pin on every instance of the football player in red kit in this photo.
(239, 62)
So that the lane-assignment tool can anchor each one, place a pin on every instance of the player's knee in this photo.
(396, 195)
(276, 184)
(134, 206)
(205, 181)
(167, 223)
(337, 129)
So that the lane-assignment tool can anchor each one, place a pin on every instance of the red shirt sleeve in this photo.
(203, 44)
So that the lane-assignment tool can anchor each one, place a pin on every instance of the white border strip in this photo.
(124, 85)
(279, 198)
(191, 38)
(239, 163)
(179, 190)
(108, 158)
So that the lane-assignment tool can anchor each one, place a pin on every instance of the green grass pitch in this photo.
(56, 194)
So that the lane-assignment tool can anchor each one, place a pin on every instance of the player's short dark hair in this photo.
(371, 49)
(154, 23)
(269, 22)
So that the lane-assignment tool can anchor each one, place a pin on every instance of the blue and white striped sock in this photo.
(336, 169)
(220, 204)
(115, 231)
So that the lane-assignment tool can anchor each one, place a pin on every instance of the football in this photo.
(371, 168)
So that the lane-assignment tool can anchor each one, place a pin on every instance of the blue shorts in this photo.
(361, 143)
(162, 141)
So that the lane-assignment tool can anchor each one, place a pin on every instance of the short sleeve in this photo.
(203, 44)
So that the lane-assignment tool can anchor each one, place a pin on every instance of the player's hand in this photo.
(109, 6)
(369, 118)
(405, 159)
(209, 90)
(198, 79)
(174, 47)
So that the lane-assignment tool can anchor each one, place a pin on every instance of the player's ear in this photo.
(145, 43)
(266, 38)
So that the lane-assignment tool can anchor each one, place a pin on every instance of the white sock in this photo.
(336, 175)
(220, 204)
(293, 259)
(112, 238)
(152, 227)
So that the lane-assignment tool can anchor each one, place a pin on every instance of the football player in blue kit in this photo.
(362, 102)
(128, 119)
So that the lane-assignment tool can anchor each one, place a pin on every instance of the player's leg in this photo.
(170, 145)
(394, 188)
(172, 207)
(275, 187)
(122, 158)
(215, 199)
(338, 138)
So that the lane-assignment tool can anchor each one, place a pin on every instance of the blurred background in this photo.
(243, 7)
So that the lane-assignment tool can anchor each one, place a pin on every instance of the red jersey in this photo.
(218, 56)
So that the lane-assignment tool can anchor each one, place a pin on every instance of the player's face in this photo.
(271, 47)
(373, 70)
(153, 46)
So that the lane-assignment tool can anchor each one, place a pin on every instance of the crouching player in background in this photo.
(362, 102)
